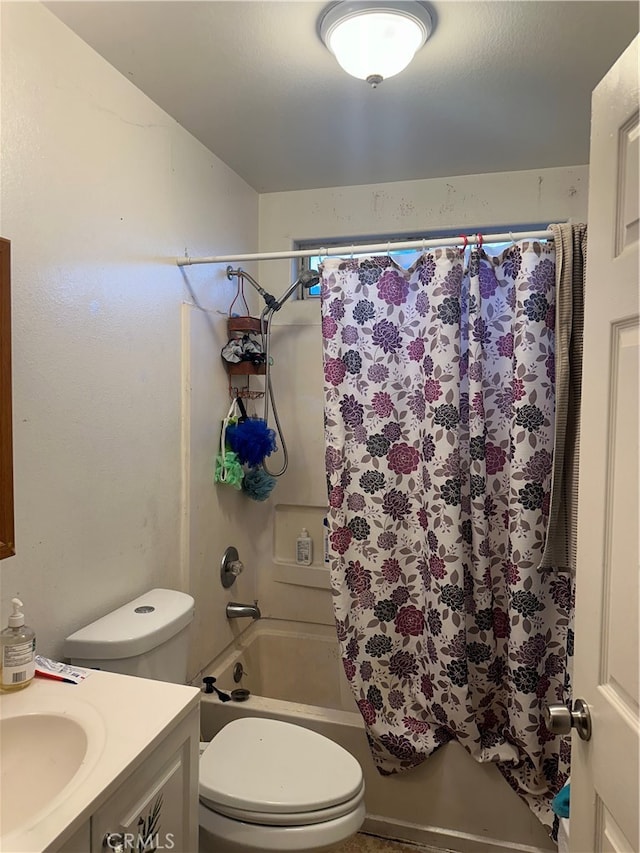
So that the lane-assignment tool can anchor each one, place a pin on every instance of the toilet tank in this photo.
(148, 637)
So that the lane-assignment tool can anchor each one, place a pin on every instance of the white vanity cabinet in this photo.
(156, 807)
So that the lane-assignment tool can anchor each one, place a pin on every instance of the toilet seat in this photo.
(272, 773)
(280, 819)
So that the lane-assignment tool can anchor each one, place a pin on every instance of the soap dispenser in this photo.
(17, 652)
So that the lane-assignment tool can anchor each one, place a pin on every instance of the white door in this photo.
(604, 776)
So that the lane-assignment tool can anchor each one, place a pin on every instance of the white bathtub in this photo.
(294, 673)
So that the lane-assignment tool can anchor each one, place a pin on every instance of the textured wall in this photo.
(101, 190)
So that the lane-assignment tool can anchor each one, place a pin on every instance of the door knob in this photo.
(560, 719)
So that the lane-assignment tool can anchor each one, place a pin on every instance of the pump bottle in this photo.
(304, 548)
(17, 652)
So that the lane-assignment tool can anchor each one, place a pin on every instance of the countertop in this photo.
(125, 718)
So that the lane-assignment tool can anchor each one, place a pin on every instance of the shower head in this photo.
(308, 278)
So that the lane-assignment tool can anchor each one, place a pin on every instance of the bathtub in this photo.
(294, 673)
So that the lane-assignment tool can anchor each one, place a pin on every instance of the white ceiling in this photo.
(499, 86)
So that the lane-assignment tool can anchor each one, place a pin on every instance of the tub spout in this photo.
(234, 610)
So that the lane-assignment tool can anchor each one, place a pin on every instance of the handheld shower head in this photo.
(308, 278)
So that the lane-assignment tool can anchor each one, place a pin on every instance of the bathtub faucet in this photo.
(234, 610)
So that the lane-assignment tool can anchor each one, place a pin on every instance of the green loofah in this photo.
(229, 470)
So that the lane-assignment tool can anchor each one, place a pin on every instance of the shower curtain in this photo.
(439, 411)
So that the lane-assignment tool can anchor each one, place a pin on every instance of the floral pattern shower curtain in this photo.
(439, 385)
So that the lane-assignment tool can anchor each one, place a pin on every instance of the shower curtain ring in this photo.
(352, 247)
(480, 241)
(466, 242)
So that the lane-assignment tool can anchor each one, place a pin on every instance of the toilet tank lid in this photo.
(133, 629)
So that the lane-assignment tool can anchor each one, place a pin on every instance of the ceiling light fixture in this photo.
(375, 40)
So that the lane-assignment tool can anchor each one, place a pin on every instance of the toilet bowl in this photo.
(273, 786)
(264, 785)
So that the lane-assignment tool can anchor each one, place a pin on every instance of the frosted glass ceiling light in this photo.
(375, 40)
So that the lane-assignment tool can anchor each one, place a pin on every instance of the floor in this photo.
(372, 844)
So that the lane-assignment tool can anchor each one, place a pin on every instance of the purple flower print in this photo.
(414, 725)
(329, 327)
(392, 288)
(426, 270)
(452, 282)
(543, 277)
(396, 504)
(427, 365)
(409, 621)
(336, 497)
(391, 570)
(357, 577)
(368, 711)
(495, 458)
(363, 311)
(505, 345)
(422, 304)
(366, 670)
(392, 432)
(349, 335)
(488, 281)
(501, 623)
(378, 373)
(349, 668)
(332, 460)
(436, 566)
(334, 371)
(416, 349)
(341, 539)
(352, 411)
(550, 365)
(475, 371)
(432, 390)
(386, 336)
(477, 404)
(517, 390)
(423, 518)
(336, 309)
(416, 403)
(481, 333)
(403, 459)
(550, 318)
(356, 502)
(387, 540)
(512, 262)
(396, 700)
(382, 404)
(532, 650)
(400, 747)
(538, 468)
(561, 592)
(428, 448)
(403, 664)
(510, 571)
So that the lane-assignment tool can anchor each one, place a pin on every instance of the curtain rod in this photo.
(339, 251)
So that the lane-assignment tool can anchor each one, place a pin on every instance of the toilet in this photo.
(265, 785)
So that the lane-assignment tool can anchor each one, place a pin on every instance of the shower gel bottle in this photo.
(17, 652)
(304, 548)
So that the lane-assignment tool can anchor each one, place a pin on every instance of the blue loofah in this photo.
(251, 440)
(257, 484)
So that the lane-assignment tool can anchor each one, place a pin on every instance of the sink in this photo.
(41, 753)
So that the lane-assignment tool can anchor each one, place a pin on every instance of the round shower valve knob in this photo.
(560, 719)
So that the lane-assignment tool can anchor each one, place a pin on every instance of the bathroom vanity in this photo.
(107, 764)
